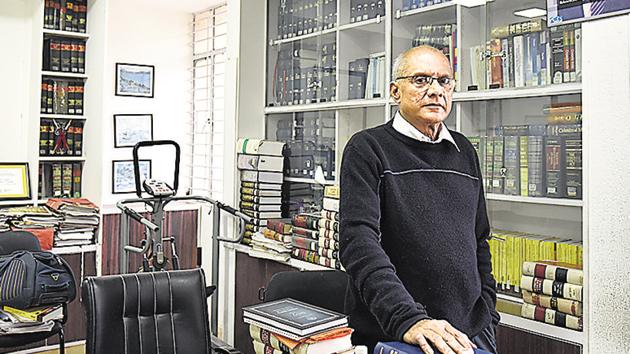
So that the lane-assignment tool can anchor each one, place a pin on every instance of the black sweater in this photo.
(414, 230)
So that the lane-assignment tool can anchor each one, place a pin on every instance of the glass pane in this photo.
(358, 11)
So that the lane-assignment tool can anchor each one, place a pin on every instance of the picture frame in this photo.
(15, 183)
(135, 80)
(123, 177)
(132, 128)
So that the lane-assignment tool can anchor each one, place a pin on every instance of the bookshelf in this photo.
(482, 104)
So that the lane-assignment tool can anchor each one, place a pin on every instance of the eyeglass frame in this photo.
(433, 78)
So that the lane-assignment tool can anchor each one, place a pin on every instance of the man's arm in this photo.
(484, 260)
(361, 253)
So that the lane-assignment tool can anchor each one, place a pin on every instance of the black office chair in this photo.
(21, 240)
(144, 312)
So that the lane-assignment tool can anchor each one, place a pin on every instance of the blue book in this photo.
(404, 348)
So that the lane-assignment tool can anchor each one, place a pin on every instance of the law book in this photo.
(571, 307)
(331, 204)
(43, 97)
(555, 170)
(578, 52)
(52, 54)
(78, 137)
(76, 179)
(295, 318)
(335, 345)
(315, 258)
(262, 214)
(69, 137)
(498, 168)
(260, 162)
(259, 147)
(573, 167)
(261, 348)
(66, 54)
(253, 192)
(273, 235)
(71, 98)
(304, 243)
(304, 232)
(328, 243)
(57, 188)
(43, 137)
(327, 233)
(261, 176)
(78, 97)
(404, 348)
(329, 225)
(562, 272)
(48, 8)
(523, 164)
(50, 95)
(74, 57)
(60, 99)
(262, 186)
(557, 54)
(259, 207)
(308, 221)
(512, 164)
(551, 316)
(82, 15)
(536, 161)
(330, 215)
(552, 288)
(69, 14)
(282, 226)
(267, 338)
(81, 57)
(66, 179)
(75, 18)
(261, 200)
(51, 137)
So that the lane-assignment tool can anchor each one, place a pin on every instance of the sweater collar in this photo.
(402, 126)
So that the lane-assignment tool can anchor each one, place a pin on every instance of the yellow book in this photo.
(36, 314)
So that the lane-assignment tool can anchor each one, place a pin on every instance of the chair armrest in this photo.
(210, 290)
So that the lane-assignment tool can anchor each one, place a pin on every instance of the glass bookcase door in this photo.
(521, 51)
(434, 25)
(530, 152)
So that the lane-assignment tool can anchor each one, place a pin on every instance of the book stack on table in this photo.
(289, 326)
(273, 241)
(552, 293)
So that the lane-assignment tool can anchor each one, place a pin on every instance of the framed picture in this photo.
(132, 128)
(14, 181)
(561, 12)
(134, 80)
(123, 175)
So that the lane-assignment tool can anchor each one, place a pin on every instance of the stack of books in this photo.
(552, 293)
(329, 225)
(273, 241)
(80, 219)
(36, 319)
(309, 246)
(366, 77)
(294, 327)
(261, 165)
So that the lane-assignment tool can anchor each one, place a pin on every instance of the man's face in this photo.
(430, 104)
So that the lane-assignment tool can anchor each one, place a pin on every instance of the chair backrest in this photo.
(18, 240)
(325, 288)
(146, 313)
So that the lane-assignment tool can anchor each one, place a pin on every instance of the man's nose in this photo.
(435, 88)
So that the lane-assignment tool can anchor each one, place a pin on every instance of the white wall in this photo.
(606, 102)
(15, 71)
(162, 39)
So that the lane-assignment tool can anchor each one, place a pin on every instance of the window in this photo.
(208, 111)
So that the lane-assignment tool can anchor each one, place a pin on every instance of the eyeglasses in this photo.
(423, 81)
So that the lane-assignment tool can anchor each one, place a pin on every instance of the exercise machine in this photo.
(156, 195)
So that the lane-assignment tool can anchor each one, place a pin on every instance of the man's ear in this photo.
(394, 91)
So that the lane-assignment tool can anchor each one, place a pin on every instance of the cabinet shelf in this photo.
(61, 158)
(535, 200)
(400, 13)
(374, 102)
(64, 74)
(62, 116)
(295, 263)
(67, 34)
(304, 36)
(543, 329)
(376, 20)
(521, 92)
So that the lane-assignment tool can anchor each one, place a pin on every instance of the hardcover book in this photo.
(295, 318)
(404, 348)
(550, 316)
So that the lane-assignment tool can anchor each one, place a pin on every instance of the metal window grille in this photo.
(208, 111)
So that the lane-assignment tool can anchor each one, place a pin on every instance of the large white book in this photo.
(260, 162)
(259, 147)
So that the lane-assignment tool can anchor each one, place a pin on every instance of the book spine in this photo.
(76, 180)
(78, 97)
(547, 271)
(66, 52)
(557, 54)
(71, 98)
(573, 167)
(69, 15)
(551, 317)
(57, 190)
(74, 56)
(82, 16)
(570, 307)
(306, 221)
(280, 227)
(43, 137)
(554, 166)
(523, 164)
(50, 96)
(300, 231)
(511, 163)
(78, 137)
(329, 234)
(330, 215)
(552, 288)
(81, 57)
(66, 180)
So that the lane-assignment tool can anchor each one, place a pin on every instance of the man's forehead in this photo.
(427, 62)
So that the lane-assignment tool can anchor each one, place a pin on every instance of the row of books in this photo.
(553, 293)
(305, 75)
(66, 15)
(300, 17)
(532, 160)
(415, 4)
(366, 77)
(64, 54)
(60, 137)
(362, 10)
(511, 249)
(60, 179)
(291, 326)
(529, 54)
(442, 37)
(62, 97)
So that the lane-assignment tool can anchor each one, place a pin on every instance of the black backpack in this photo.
(35, 278)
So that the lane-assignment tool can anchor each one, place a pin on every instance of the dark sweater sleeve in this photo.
(361, 253)
(484, 260)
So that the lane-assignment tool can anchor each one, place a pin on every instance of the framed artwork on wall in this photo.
(135, 80)
(123, 178)
(132, 128)
(14, 181)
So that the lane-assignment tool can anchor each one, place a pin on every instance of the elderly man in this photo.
(414, 227)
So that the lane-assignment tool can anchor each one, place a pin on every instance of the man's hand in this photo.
(441, 334)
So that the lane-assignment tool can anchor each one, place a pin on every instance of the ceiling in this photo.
(184, 5)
